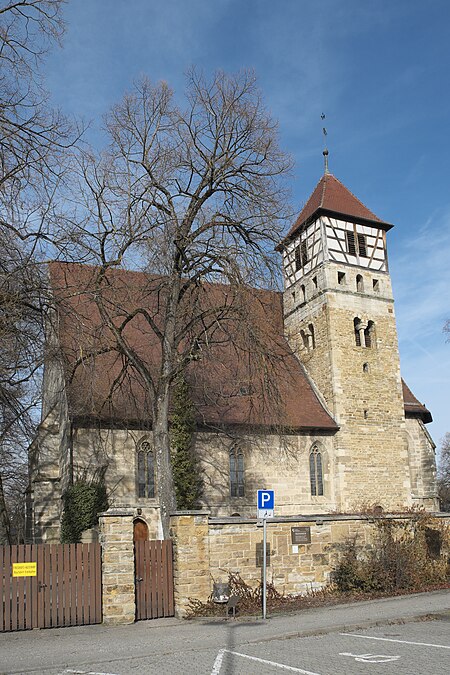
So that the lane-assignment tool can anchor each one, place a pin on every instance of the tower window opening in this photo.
(357, 330)
(316, 472)
(298, 260)
(359, 283)
(314, 280)
(376, 285)
(304, 253)
(303, 292)
(312, 337)
(301, 255)
(362, 248)
(351, 246)
(293, 295)
(341, 278)
(369, 334)
(366, 368)
(366, 414)
(304, 339)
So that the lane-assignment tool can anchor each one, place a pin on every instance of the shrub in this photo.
(405, 555)
(82, 503)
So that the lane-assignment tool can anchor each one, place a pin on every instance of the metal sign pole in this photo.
(264, 566)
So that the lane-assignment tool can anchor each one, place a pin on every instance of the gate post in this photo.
(192, 578)
(116, 538)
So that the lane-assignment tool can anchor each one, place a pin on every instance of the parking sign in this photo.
(265, 503)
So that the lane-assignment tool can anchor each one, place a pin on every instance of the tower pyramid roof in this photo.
(331, 197)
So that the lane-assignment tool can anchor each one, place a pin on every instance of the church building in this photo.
(346, 435)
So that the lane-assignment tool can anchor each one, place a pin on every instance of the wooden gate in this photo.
(60, 586)
(154, 579)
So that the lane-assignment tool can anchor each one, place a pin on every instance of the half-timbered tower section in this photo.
(339, 319)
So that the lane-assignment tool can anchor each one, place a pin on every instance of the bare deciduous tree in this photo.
(443, 477)
(34, 145)
(197, 195)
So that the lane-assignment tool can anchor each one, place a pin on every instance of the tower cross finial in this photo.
(325, 149)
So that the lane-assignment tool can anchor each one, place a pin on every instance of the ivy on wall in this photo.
(82, 503)
(186, 473)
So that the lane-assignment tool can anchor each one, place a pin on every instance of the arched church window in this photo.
(236, 471)
(357, 329)
(369, 334)
(145, 470)
(359, 283)
(316, 472)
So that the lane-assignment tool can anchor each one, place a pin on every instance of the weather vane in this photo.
(325, 149)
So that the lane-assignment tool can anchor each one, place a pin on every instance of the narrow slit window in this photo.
(316, 472)
(341, 278)
(312, 336)
(236, 472)
(376, 285)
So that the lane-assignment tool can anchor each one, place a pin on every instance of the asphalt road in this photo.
(408, 635)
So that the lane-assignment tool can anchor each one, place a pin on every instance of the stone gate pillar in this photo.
(190, 534)
(116, 538)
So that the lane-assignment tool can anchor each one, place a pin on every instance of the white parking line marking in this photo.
(218, 663)
(219, 658)
(403, 642)
(371, 658)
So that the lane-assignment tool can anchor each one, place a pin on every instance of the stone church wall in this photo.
(422, 463)
(207, 549)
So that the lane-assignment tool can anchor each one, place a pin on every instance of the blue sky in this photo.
(379, 70)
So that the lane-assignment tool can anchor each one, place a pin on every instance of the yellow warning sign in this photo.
(28, 569)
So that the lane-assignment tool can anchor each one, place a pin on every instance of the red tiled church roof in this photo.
(226, 386)
(331, 196)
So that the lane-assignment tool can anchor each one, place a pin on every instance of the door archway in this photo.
(140, 530)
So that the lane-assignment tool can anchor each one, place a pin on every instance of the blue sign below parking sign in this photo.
(266, 503)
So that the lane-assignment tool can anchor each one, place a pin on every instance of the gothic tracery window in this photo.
(316, 472)
(145, 470)
(236, 471)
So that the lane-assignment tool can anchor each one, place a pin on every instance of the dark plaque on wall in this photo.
(301, 535)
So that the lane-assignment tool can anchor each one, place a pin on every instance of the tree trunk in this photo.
(165, 486)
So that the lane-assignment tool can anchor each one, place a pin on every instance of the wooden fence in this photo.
(50, 585)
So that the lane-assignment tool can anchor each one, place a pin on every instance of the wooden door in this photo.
(154, 579)
(140, 530)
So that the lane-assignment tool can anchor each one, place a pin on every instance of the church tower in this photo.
(339, 319)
